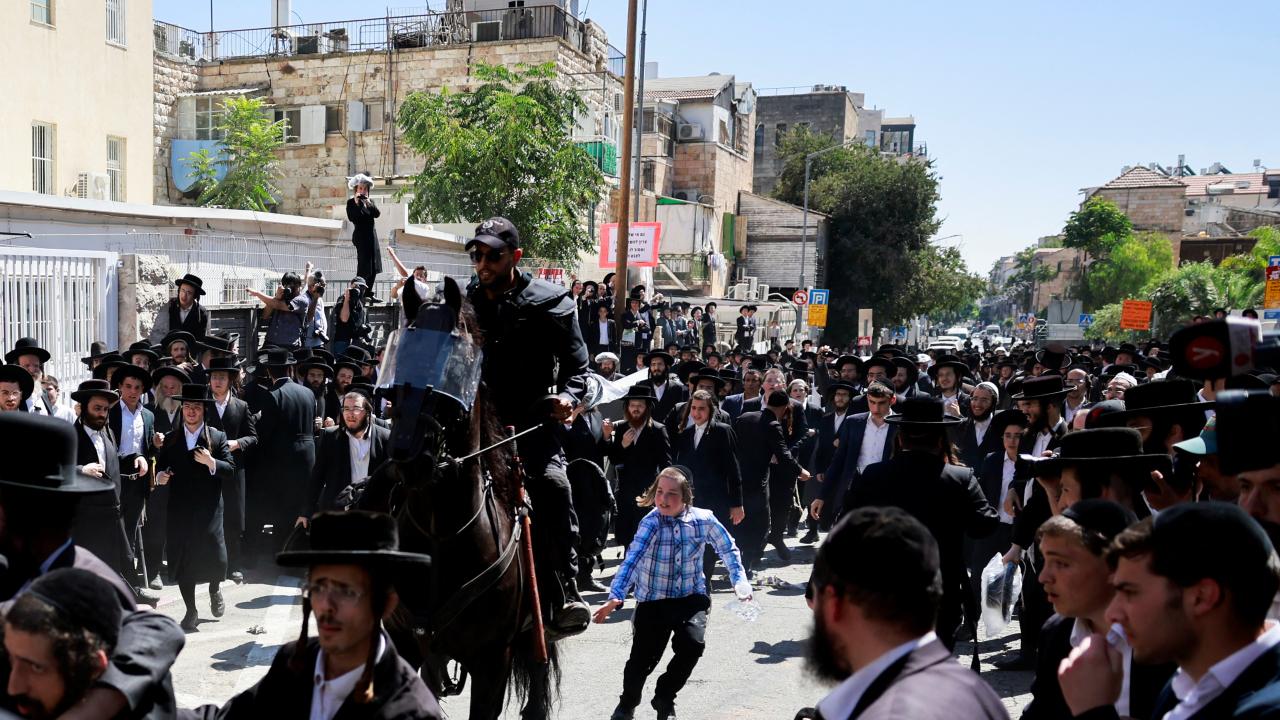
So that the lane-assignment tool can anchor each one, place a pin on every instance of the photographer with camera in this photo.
(362, 213)
(349, 326)
(315, 326)
(285, 312)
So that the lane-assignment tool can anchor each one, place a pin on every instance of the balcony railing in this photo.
(377, 34)
(604, 152)
(689, 268)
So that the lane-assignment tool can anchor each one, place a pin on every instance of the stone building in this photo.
(825, 109)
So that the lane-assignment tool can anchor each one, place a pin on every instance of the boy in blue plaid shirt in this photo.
(664, 564)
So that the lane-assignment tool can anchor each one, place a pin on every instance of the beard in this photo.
(821, 656)
(166, 403)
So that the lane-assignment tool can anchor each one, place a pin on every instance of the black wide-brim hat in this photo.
(160, 373)
(833, 387)
(1160, 398)
(315, 362)
(191, 280)
(130, 370)
(353, 366)
(689, 367)
(353, 537)
(666, 356)
(195, 393)
(922, 411)
(97, 349)
(277, 357)
(216, 344)
(224, 364)
(902, 361)
(887, 363)
(960, 367)
(706, 374)
(53, 467)
(142, 347)
(26, 346)
(1003, 419)
(640, 391)
(18, 374)
(110, 361)
(177, 335)
(95, 387)
(1044, 387)
(847, 359)
(761, 362)
(1108, 448)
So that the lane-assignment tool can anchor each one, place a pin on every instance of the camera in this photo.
(1222, 348)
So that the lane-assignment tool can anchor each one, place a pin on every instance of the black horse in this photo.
(461, 506)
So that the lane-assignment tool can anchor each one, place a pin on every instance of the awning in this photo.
(224, 91)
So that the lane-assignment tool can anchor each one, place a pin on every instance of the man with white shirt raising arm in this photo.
(876, 589)
(1193, 585)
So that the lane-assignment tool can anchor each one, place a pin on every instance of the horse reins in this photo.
(500, 443)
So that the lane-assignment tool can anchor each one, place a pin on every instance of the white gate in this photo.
(65, 299)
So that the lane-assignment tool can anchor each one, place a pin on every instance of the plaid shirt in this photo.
(665, 557)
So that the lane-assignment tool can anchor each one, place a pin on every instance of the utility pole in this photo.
(624, 182)
(639, 151)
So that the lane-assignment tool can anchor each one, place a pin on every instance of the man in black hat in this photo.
(636, 333)
(347, 453)
(946, 498)
(680, 418)
(231, 415)
(864, 439)
(999, 474)
(745, 335)
(314, 373)
(639, 449)
(947, 373)
(141, 354)
(183, 312)
(27, 353)
(532, 345)
(286, 431)
(877, 587)
(134, 427)
(16, 386)
(349, 325)
(351, 670)
(194, 462)
(1104, 462)
(668, 390)
(59, 637)
(708, 447)
(762, 449)
(166, 387)
(838, 396)
(1078, 583)
(1194, 585)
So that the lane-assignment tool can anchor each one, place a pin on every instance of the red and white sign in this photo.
(864, 340)
(800, 298)
(555, 275)
(642, 247)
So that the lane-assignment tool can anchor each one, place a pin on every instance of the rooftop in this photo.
(700, 87)
(908, 120)
(1141, 177)
(1239, 183)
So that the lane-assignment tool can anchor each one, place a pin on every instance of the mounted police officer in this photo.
(535, 366)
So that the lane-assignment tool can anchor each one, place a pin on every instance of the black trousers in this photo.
(683, 621)
(1036, 607)
(156, 528)
(133, 499)
(980, 552)
(750, 534)
(782, 498)
(555, 524)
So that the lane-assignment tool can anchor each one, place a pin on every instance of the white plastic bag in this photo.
(1001, 586)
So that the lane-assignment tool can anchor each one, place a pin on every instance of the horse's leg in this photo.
(538, 702)
(489, 687)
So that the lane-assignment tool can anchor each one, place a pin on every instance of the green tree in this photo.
(944, 289)
(1106, 326)
(1019, 288)
(1096, 227)
(247, 155)
(1134, 262)
(1188, 291)
(883, 213)
(505, 148)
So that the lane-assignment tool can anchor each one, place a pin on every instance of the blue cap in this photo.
(1206, 443)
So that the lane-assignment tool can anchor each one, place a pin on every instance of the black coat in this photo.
(824, 445)
(332, 472)
(965, 437)
(398, 692)
(1047, 703)
(761, 439)
(286, 432)
(115, 418)
(840, 473)
(99, 525)
(238, 424)
(675, 427)
(365, 237)
(674, 393)
(640, 462)
(717, 479)
(928, 684)
(194, 541)
(948, 501)
(585, 440)
(597, 344)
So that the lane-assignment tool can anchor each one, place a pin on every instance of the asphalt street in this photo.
(750, 669)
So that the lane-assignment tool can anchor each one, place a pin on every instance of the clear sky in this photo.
(1022, 103)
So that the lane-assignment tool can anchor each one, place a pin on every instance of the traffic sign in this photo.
(1273, 261)
(1135, 315)
(800, 298)
(817, 315)
(864, 340)
(1086, 320)
(819, 297)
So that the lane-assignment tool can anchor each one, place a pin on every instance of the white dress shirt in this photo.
(99, 439)
(1193, 696)
(980, 428)
(873, 438)
(221, 405)
(1079, 631)
(360, 449)
(327, 696)
(131, 428)
(604, 332)
(839, 704)
(698, 432)
(182, 314)
(193, 438)
(837, 420)
(1041, 443)
(659, 389)
(1068, 412)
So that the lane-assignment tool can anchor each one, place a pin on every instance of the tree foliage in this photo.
(1189, 291)
(1019, 288)
(1096, 227)
(883, 212)
(1106, 326)
(247, 153)
(505, 148)
(1132, 263)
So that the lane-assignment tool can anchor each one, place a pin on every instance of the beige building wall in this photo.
(67, 74)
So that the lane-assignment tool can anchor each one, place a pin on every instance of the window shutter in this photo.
(186, 118)
(355, 116)
(312, 132)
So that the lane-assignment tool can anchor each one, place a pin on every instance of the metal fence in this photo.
(380, 33)
(65, 299)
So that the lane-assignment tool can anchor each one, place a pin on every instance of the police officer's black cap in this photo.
(497, 233)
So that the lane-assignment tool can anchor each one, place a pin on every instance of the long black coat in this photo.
(398, 692)
(637, 465)
(717, 480)
(286, 432)
(332, 472)
(99, 524)
(238, 424)
(972, 452)
(365, 237)
(946, 499)
(674, 392)
(761, 439)
(195, 542)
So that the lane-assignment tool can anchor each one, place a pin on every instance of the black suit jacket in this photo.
(597, 344)
(717, 479)
(928, 684)
(332, 471)
(286, 431)
(824, 447)
(965, 437)
(1047, 703)
(86, 455)
(641, 461)
(839, 474)
(761, 439)
(675, 427)
(674, 393)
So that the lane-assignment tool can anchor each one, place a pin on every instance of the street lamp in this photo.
(804, 230)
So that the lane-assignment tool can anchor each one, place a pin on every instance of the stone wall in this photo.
(828, 113)
(1158, 208)
(716, 171)
(172, 76)
(144, 292)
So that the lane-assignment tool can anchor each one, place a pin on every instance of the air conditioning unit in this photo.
(92, 186)
(762, 292)
(486, 31)
(738, 292)
(84, 181)
(690, 131)
(751, 288)
(687, 194)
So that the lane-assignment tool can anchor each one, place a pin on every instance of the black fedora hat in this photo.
(324, 355)
(196, 283)
(277, 357)
(1044, 387)
(19, 375)
(709, 375)
(922, 411)
(846, 360)
(223, 364)
(217, 343)
(838, 385)
(53, 468)
(97, 349)
(196, 393)
(142, 347)
(94, 388)
(358, 354)
(1106, 448)
(315, 362)
(687, 368)
(131, 371)
(1160, 398)
(349, 364)
(177, 335)
(640, 391)
(666, 357)
(1054, 356)
(1003, 419)
(761, 362)
(354, 537)
(880, 361)
(111, 361)
(955, 363)
(26, 346)
(159, 373)
(902, 361)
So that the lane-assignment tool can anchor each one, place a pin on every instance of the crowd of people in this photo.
(1147, 555)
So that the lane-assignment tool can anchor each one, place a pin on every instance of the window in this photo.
(779, 132)
(333, 119)
(759, 138)
(871, 138)
(208, 115)
(292, 118)
(43, 143)
(115, 168)
(115, 22)
(42, 11)
(373, 112)
(647, 171)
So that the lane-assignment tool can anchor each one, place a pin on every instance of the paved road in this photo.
(750, 669)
